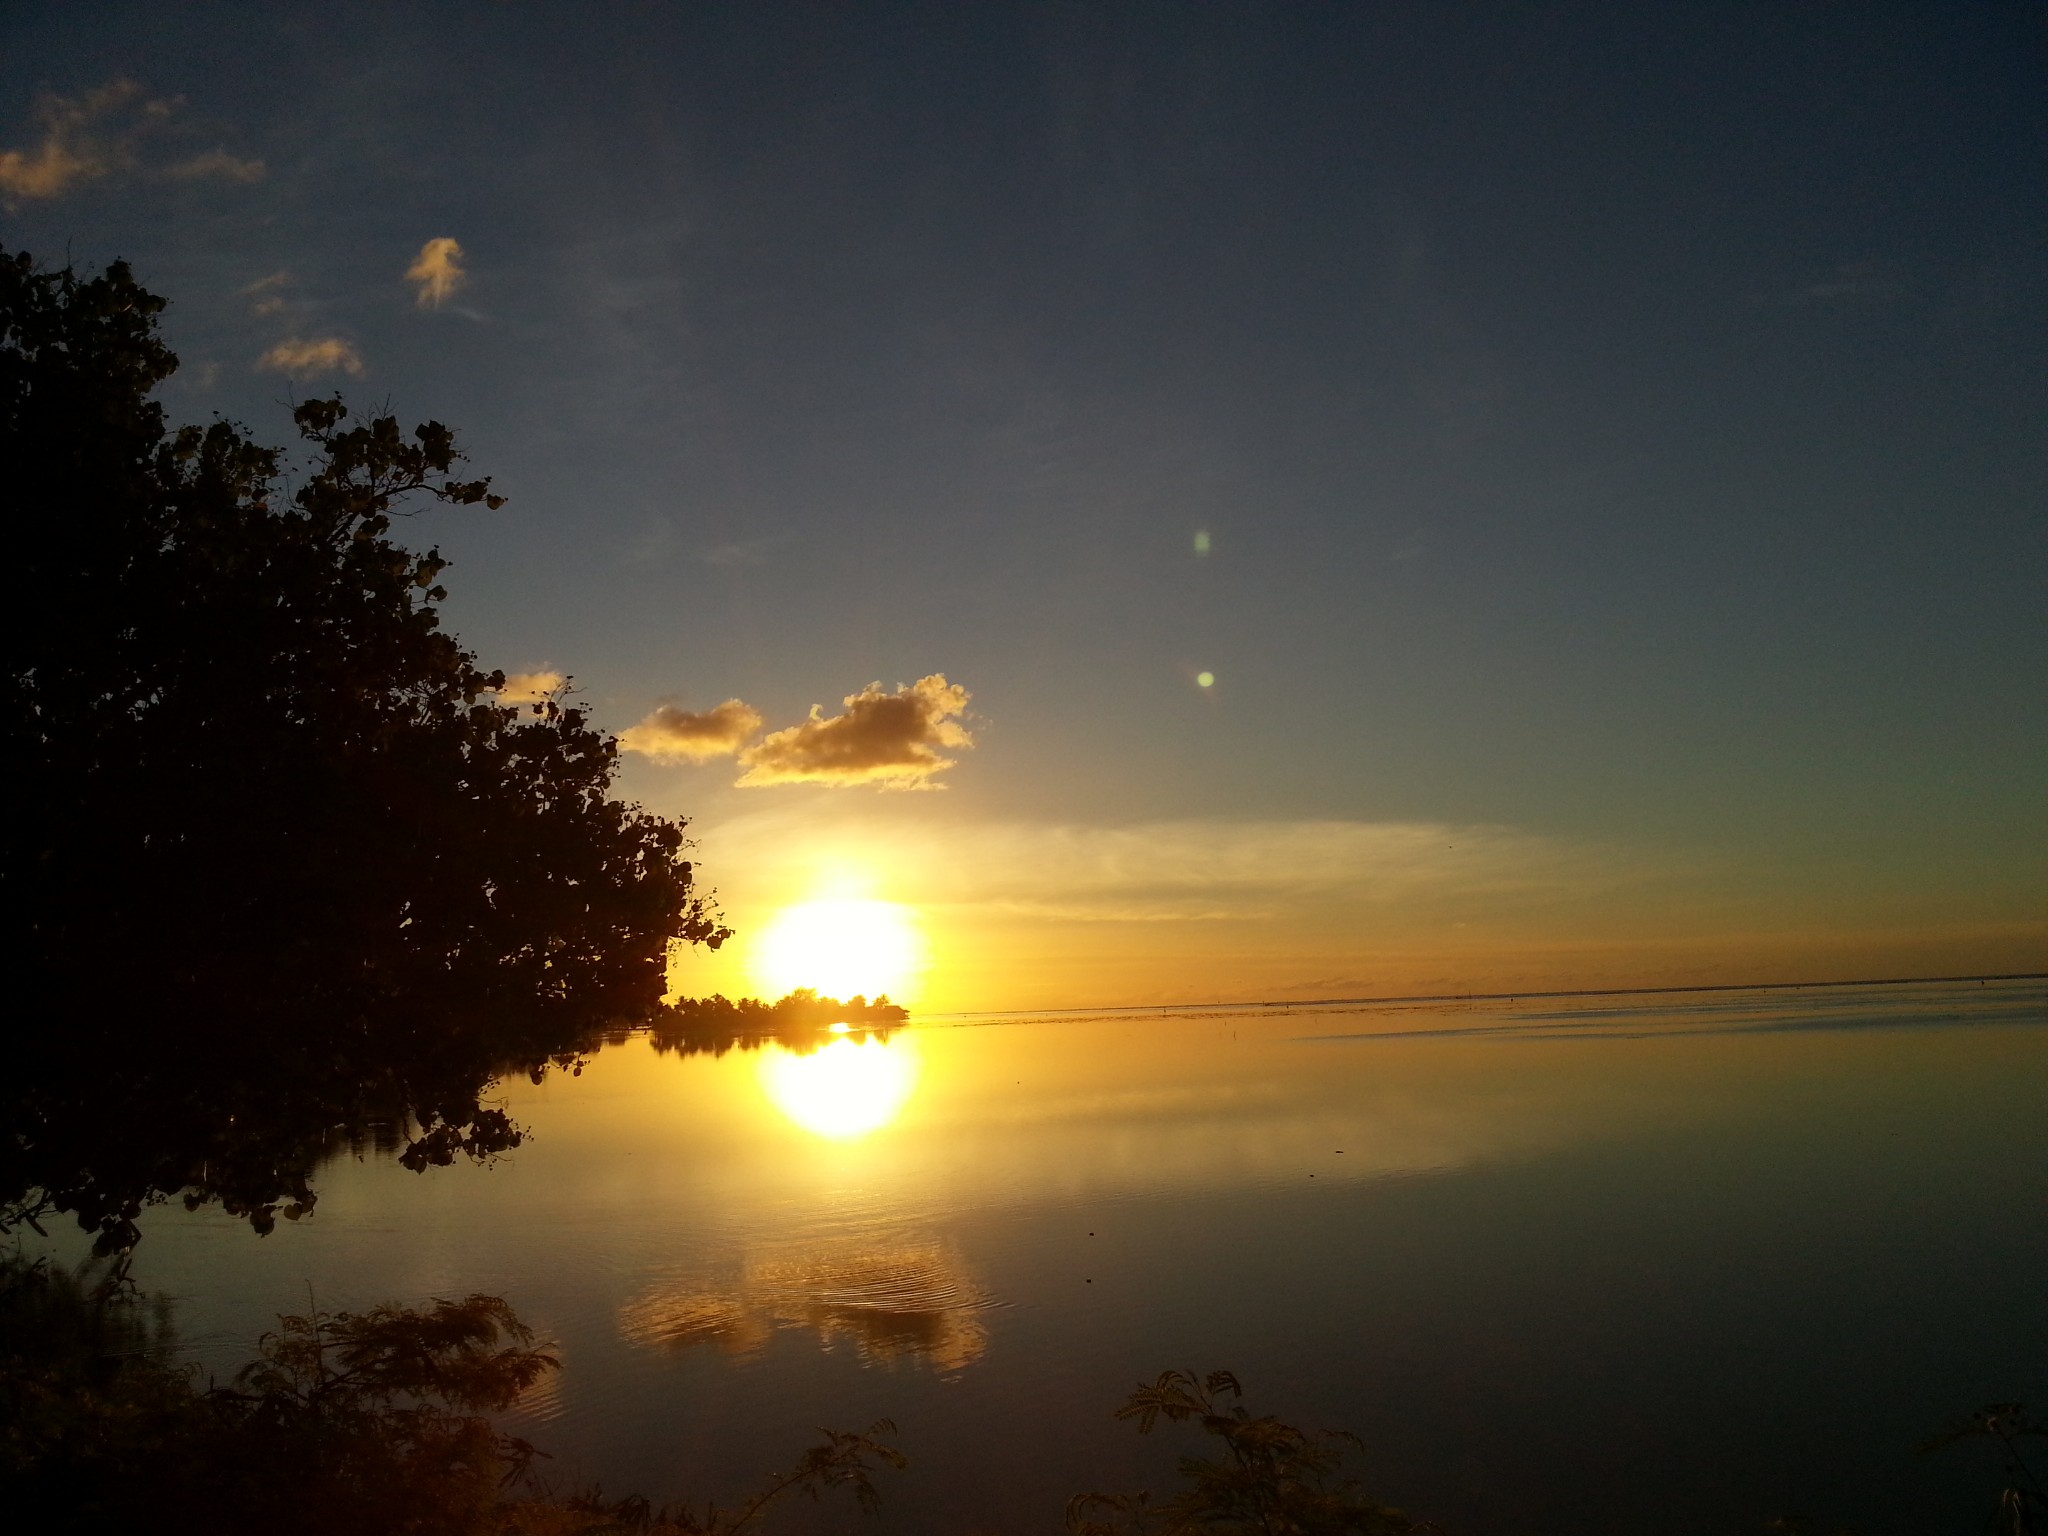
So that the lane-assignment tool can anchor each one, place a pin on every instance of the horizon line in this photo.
(1491, 997)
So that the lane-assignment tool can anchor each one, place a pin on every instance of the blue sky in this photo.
(1617, 429)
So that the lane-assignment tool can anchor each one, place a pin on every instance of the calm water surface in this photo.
(1685, 1261)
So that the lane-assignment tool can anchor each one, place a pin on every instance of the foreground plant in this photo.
(844, 1460)
(1271, 1479)
(346, 1424)
(2022, 1508)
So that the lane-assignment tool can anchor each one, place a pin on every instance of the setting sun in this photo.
(840, 948)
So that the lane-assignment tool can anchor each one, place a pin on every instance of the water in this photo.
(1689, 1261)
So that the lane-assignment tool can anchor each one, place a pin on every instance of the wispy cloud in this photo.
(436, 272)
(216, 162)
(1852, 283)
(97, 133)
(1203, 870)
(327, 354)
(1213, 868)
(529, 687)
(74, 149)
(672, 735)
(1219, 868)
(265, 294)
(893, 740)
(739, 552)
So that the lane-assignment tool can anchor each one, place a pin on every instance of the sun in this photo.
(840, 948)
(846, 1089)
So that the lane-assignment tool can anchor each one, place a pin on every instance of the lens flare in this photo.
(845, 1089)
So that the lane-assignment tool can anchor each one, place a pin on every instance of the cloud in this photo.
(264, 295)
(98, 133)
(437, 271)
(1209, 869)
(529, 687)
(216, 162)
(672, 735)
(1852, 284)
(326, 355)
(889, 739)
(739, 552)
(1162, 872)
(72, 151)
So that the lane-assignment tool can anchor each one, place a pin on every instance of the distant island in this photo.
(801, 1021)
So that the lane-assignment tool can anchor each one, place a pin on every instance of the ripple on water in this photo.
(908, 1299)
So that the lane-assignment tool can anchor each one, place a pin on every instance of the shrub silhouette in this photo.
(1271, 1479)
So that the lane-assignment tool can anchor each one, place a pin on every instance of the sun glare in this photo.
(840, 948)
(845, 1089)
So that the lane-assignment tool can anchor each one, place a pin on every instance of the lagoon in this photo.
(1594, 1263)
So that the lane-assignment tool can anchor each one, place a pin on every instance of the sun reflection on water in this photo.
(890, 1295)
(842, 1090)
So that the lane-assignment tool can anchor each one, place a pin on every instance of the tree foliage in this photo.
(283, 853)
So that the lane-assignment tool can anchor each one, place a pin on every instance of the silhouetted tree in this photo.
(276, 852)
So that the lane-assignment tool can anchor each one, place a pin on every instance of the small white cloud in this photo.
(436, 272)
(672, 735)
(216, 163)
(529, 687)
(888, 739)
(265, 294)
(738, 552)
(1853, 283)
(328, 354)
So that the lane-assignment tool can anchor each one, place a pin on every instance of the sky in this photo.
(1097, 505)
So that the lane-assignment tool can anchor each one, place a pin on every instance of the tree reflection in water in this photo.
(243, 1119)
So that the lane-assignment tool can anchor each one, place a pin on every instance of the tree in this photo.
(278, 854)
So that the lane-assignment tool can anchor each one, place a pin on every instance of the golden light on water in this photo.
(845, 1089)
(840, 947)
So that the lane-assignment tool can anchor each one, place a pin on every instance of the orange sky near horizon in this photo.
(965, 916)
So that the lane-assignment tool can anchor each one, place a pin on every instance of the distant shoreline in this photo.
(1475, 997)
